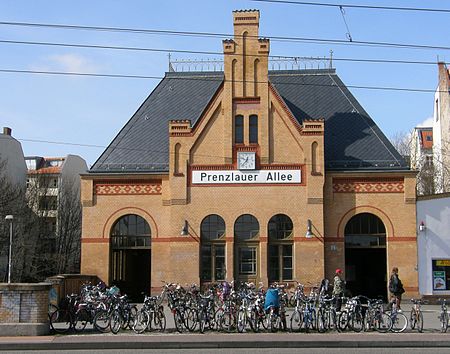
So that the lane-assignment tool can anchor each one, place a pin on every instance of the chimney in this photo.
(7, 131)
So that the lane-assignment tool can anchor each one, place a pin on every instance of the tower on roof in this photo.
(246, 56)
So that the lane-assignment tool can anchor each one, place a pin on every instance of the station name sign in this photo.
(247, 177)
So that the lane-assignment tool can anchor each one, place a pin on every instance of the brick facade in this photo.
(327, 199)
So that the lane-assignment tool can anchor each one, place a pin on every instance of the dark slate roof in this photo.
(143, 143)
(352, 139)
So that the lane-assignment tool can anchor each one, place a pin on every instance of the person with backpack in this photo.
(396, 287)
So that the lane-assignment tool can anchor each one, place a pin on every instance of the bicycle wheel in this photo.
(399, 323)
(296, 321)
(191, 319)
(115, 321)
(228, 321)
(322, 321)
(254, 321)
(444, 321)
(273, 325)
(129, 317)
(160, 320)
(202, 319)
(61, 321)
(218, 319)
(179, 321)
(101, 321)
(412, 319)
(81, 319)
(342, 321)
(241, 321)
(382, 322)
(420, 322)
(141, 322)
(356, 322)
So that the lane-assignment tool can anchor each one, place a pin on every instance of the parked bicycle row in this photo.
(225, 307)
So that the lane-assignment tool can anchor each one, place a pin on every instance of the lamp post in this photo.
(10, 218)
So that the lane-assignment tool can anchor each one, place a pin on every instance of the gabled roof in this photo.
(352, 139)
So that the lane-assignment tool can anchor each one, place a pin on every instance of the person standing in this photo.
(338, 288)
(396, 287)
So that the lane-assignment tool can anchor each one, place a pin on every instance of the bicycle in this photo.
(416, 316)
(375, 317)
(399, 320)
(443, 317)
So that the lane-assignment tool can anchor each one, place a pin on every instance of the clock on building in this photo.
(246, 160)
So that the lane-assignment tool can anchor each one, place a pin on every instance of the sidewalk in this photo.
(213, 340)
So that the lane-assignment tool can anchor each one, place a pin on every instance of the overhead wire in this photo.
(129, 76)
(205, 52)
(222, 35)
(366, 7)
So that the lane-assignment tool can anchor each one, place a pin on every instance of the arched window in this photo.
(246, 237)
(177, 159)
(365, 230)
(255, 76)
(314, 157)
(212, 264)
(130, 231)
(280, 259)
(246, 228)
(239, 129)
(253, 126)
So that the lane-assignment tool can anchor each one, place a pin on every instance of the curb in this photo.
(131, 343)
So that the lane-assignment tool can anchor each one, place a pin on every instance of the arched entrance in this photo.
(131, 256)
(246, 246)
(365, 256)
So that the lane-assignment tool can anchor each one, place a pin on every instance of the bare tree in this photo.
(47, 227)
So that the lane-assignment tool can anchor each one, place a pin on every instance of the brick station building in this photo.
(250, 174)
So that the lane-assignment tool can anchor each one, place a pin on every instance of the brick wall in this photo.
(24, 303)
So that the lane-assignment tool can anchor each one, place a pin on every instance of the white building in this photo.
(11, 153)
(441, 130)
(433, 220)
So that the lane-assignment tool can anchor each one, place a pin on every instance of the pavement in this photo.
(430, 338)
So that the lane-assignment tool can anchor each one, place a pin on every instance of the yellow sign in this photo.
(443, 263)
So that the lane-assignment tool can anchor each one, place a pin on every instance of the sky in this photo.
(55, 115)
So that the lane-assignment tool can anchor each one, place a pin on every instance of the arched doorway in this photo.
(131, 256)
(280, 261)
(212, 254)
(246, 246)
(365, 256)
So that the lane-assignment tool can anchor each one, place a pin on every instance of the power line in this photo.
(222, 35)
(367, 7)
(129, 76)
(165, 152)
(172, 50)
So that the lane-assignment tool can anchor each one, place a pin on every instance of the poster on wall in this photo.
(439, 280)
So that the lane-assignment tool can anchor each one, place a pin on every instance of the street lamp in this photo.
(10, 218)
(309, 233)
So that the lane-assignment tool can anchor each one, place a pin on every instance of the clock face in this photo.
(246, 160)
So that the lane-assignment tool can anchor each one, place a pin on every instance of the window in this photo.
(365, 230)
(437, 110)
(48, 203)
(253, 134)
(212, 253)
(130, 231)
(246, 233)
(247, 261)
(429, 138)
(239, 129)
(280, 260)
(246, 227)
(441, 274)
